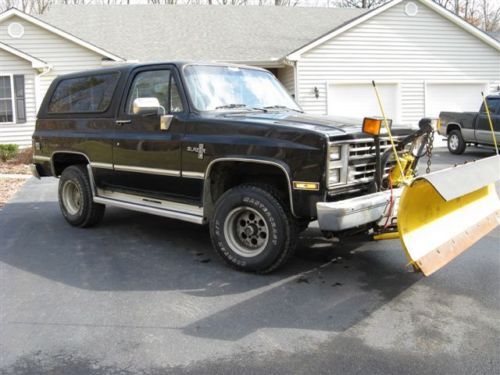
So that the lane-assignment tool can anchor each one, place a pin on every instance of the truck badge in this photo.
(200, 150)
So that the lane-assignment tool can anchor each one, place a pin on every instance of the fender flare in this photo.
(282, 166)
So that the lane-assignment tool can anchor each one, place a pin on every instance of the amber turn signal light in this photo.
(301, 185)
(372, 125)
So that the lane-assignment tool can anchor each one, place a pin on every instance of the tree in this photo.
(361, 3)
(27, 6)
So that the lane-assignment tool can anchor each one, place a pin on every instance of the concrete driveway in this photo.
(143, 294)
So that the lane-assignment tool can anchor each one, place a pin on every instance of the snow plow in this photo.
(442, 214)
(437, 215)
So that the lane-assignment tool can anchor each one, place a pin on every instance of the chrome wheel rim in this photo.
(246, 232)
(454, 142)
(71, 197)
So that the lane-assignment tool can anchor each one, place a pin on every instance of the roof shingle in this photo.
(188, 32)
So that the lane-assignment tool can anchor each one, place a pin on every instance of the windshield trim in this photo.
(229, 65)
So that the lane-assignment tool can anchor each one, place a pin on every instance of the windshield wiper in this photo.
(277, 106)
(236, 105)
(232, 105)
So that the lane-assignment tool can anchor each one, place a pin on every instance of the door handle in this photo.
(122, 122)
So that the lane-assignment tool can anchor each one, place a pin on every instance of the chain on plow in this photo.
(430, 146)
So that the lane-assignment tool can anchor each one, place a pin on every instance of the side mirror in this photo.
(147, 106)
(165, 121)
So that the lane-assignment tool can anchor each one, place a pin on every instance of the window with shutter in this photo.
(6, 100)
(20, 100)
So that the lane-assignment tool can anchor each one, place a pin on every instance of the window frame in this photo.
(12, 99)
(53, 91)
(174, 74)
(128, 102)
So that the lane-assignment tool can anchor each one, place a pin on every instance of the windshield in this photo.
(224, 87)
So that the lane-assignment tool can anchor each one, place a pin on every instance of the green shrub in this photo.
(8, 152)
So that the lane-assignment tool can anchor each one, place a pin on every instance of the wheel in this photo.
(252, 229)
(456, 143)
(75, 198)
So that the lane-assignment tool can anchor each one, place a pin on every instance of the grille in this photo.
(361, 164)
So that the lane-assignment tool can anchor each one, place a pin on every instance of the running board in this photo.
(172, 210)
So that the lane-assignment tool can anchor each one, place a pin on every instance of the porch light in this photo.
(316, 92)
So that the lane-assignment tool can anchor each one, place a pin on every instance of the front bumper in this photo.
(354, 212)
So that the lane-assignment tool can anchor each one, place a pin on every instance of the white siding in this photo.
(397, 48)
(286, 76)
(63, 55)
(19, 133)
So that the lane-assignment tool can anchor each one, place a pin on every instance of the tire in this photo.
(252, 229)
(75, 198)
(456, 143)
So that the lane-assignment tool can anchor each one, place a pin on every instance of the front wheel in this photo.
(252, 229)
(456, 143)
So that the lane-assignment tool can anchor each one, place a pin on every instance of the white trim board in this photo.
(35, 63)
(16, 12)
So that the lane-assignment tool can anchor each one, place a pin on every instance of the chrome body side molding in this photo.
(41, 158)
(101, 165)
(199, 175)
(162, 172)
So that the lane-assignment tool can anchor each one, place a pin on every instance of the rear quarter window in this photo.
(88, 94)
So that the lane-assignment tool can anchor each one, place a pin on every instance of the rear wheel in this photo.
(252, 229)
(75, 198)
(456, 143)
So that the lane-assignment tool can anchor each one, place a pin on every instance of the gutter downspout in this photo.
(45, 70)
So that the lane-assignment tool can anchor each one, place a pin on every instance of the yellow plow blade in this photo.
(442, 214)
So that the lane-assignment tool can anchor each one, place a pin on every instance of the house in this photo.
(424, 58)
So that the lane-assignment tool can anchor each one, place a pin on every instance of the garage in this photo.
(358, 99)
(453, 97)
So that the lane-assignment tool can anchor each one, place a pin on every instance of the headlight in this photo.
(335, 165)
(334, 152)
(334, 176)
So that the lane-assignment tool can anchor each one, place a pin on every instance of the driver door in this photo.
(147, 159)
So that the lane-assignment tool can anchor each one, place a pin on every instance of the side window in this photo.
(493, 105)
(84, 94)
(150, 84)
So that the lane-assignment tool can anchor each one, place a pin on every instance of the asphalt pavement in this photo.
(146, 295)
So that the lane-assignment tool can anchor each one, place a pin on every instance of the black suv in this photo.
(206, 143)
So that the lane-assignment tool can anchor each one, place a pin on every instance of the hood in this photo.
(327, 125)
(320, 124)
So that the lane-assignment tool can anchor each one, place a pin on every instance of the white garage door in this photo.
(358, 100)
(452, 97)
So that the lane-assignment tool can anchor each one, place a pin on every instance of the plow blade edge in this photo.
(442, 214)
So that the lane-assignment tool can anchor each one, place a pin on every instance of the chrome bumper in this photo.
(34, 171)
(354, 212)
